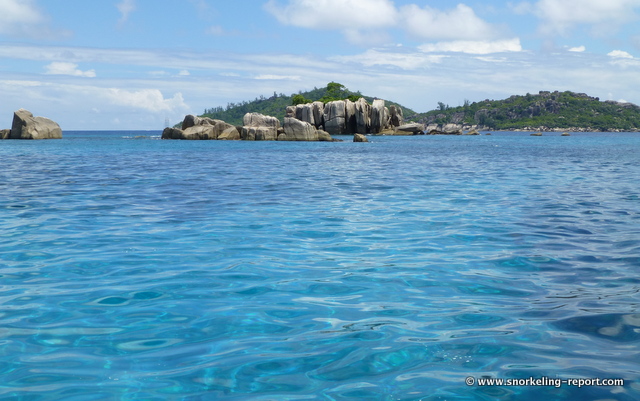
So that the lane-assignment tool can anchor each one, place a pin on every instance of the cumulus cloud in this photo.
(474, 46)
(364, 22)
(64, 68)
(150, 100)
(334, 14)
(22, 18)
(619, 54)
(125, 7)
(578, 49)
(623, 59)
(460, 23)
(559, 16)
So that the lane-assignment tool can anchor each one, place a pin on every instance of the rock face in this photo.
(4, 133)
(297, 130)
(397, 118)
(258, 127)
(344, 117)
(26, 126)
(378, 116)
(363, 116)
(335, 117)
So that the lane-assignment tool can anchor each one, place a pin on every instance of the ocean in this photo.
(407, 268)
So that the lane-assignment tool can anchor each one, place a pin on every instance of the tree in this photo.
(299, 99)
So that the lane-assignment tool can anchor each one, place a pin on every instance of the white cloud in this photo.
(623, 59)
(279, 77)
(150, 100)
(184, 73)
(559, 16)
(22, 18)
(619, 54)
(125, 7)
(460, 23)
(578, 49)
(364, 22)
(405, 61)
(335, 14)
(64, 68)
(474, 47)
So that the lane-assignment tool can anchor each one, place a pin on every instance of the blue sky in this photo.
(129, 64)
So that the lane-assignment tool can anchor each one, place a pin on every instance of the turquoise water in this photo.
(138, 269)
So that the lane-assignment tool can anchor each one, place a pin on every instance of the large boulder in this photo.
(304, 112)
(4, 133)
(230, 134)
(199, 132)
(335, 117)
(318, 113)
(190, 121)
(452, 129)
(351, 117)
(363, 116)
(397, 119)
(26, 126)
(297, 130)
(360, 138)
(379, 117)
(172, 133)
(410, 129)
(258, 127)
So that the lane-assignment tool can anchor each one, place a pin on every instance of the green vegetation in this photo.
(546, 109)
(277, 104)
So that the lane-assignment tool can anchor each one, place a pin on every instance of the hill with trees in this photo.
(546, 110)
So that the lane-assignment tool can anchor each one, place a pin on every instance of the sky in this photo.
(133, 64)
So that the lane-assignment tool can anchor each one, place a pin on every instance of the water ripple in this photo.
(147, 269)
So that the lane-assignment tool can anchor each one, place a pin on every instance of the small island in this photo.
(26, 126)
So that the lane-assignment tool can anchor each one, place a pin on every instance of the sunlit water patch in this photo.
(135, 268)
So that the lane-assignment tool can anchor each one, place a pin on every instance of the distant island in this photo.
(545, 111)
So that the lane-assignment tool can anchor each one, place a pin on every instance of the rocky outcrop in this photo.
(26, 126)
(197, 128)
(452, 129)
(258, 127)
(344, 117)
(360, 138)
(410, 129)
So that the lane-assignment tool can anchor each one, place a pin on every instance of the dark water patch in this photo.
(612, 327)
